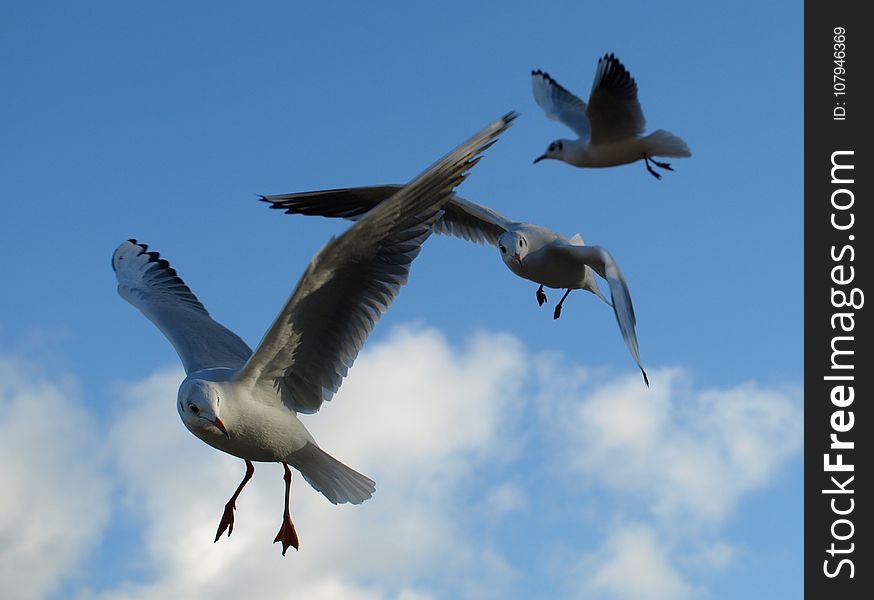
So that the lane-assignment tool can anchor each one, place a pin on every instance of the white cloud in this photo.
(503, 499)
(438, 426)
(690, 455)
(682, 458)
(420, 417)
(715, 556)
(632, 564)
(55, 498)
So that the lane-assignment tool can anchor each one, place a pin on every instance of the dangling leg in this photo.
(663, 165)
(227, 521)
(652, 171)
(287, 535)
(541, 296)
(557, 312)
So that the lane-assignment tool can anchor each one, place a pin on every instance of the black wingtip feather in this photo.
(551, 81)
(163, 265)
(616, 75)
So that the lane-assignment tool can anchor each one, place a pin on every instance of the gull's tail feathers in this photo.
(337, 482)
(664, 143)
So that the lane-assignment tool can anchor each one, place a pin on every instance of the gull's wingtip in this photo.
(504, 122)
(645, 378)
(114, 260)
(496, 128)
(273, 203)
(546, 77)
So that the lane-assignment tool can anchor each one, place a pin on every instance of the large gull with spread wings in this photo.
(245, 403)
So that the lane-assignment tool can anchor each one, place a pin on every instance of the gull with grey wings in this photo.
(246, 403)
(530, 251)
(609, 127)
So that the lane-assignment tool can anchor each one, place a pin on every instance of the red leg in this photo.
(287, 535)
(227, 521)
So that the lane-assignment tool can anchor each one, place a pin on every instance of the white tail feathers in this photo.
(337, 482)
(665, 143)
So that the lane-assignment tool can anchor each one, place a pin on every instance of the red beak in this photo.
(518, 258)
(218, 423)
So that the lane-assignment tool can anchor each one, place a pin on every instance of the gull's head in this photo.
(554, 150)
(198, 404)
(513, 246)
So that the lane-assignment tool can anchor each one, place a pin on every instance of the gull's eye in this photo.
(193, 409)
(503, 250)
(520, 242)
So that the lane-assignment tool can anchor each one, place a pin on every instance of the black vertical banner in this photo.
(839, 367)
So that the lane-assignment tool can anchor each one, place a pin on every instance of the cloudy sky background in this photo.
(515, 456)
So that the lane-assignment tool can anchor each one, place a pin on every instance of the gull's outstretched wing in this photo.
(614, 110)
(308, 350)
(149, 283)
(559, 104)
(599, 259)
(461, 218)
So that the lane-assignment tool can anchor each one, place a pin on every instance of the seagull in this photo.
(609, 127)
(246, 403)
(530, 251)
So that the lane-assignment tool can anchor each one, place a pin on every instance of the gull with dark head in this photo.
(530, 251)
(246, 403)
(609, 127)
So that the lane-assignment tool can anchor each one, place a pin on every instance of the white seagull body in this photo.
(246, 403)
(609, 127)
(530, 251)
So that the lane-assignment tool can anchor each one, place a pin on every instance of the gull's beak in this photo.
(539, 158)
(517, 258)
(218, 423)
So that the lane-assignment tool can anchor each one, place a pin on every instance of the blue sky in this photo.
(559, 473)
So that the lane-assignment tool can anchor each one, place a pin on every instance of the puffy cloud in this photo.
(447, 431)
(690, 455)
(55, 498)
(679, 457)
(632, 564)
(503, 499)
